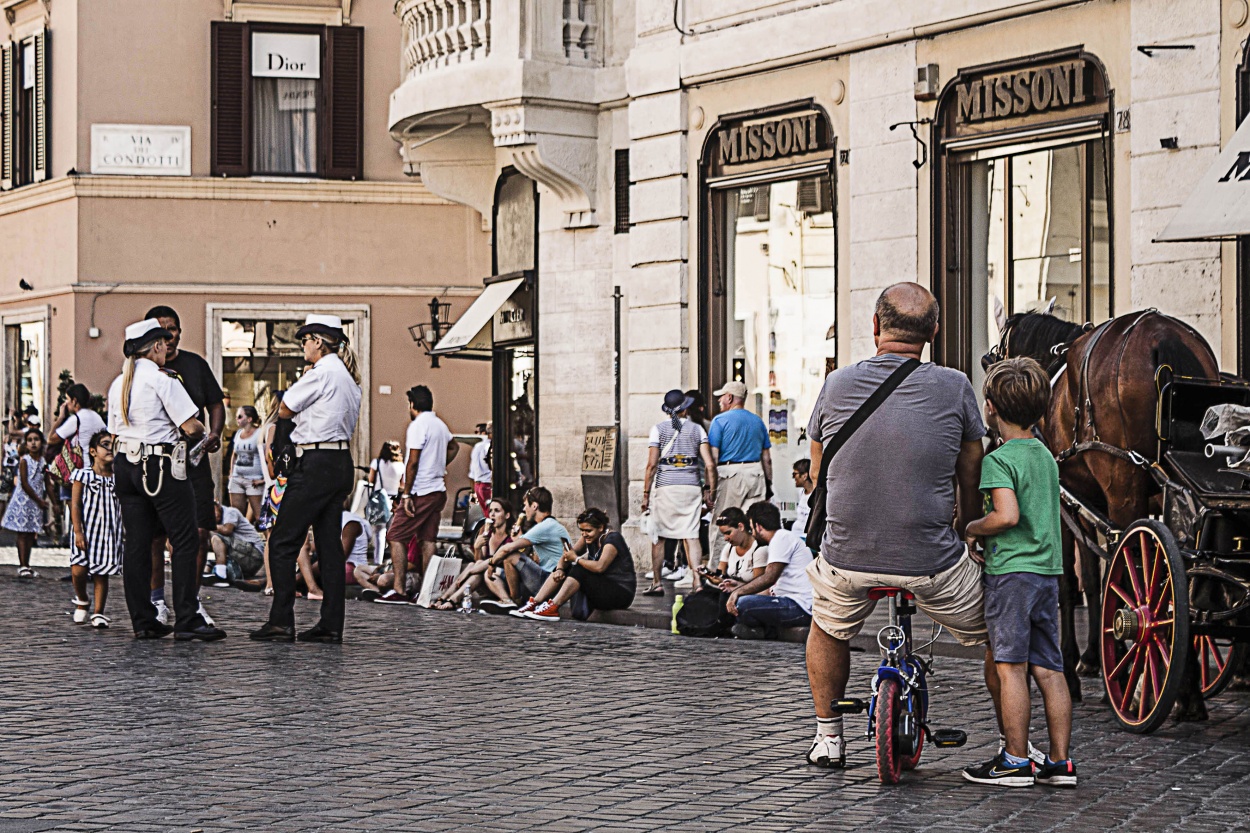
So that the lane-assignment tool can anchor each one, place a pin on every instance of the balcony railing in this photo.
(439, 33)
(444, 33)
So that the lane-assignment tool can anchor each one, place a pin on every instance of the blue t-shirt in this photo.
(740, 435)
(546, 536)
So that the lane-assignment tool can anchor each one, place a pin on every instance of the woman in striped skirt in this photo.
(96, 545)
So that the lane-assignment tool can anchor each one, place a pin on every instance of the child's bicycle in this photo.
(899, 706)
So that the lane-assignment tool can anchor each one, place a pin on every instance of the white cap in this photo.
(141, 328)
(331, 321)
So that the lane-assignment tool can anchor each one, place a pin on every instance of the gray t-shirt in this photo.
(892, 486)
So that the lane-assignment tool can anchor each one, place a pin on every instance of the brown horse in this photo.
(1103, 390)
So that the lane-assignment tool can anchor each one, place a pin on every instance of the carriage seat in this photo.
(876, 593)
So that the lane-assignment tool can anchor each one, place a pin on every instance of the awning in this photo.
(473, 331)
(1219, 207)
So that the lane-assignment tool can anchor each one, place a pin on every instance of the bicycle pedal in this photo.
(948, 738)
(849, 706)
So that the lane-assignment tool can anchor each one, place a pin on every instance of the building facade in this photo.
(725, 186)
(231, 160)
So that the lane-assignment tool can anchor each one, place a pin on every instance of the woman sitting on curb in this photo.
(495, 533)
(742, 559)
(597, 573)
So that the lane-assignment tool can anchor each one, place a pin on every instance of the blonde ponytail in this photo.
(128, 378)
(350, 362)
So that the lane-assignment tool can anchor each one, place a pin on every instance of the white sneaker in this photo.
(1036, 755)
(686, 582)
(208, 620)
(828, 751)
(650, 574)
(80, 611)
(162, 613)
(679, 575)
(99, 620)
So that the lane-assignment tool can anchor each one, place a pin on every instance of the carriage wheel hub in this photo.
(1127, 624)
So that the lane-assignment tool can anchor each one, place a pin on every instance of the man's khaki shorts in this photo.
(953, 598)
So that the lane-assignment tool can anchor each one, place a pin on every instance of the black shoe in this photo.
(368, 595)
(273, 633)
(746, 632)
(1061, 774)
(154, 631)
(320, 633)
(204, 633)
(1000, 773)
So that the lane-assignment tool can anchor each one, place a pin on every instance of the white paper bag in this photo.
(438, 579)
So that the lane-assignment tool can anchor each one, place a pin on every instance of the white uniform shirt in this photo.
(86, 424)
(158, 405)
(789, 549)
(326, 402)
(429, 435)
(360, 550)
(479, 462)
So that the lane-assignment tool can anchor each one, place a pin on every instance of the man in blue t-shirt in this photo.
(744, 462)
(547, 537)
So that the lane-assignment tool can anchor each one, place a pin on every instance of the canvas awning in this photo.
(1219, 207)
(472, 332)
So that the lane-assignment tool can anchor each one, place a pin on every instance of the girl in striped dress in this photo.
(28, 508)
(96, 546)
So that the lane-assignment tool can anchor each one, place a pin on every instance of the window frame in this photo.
(322, 103)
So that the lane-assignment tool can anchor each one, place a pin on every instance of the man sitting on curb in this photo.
(548, 538)
(762, 616)
(235, 541)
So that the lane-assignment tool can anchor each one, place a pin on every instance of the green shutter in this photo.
(41, 114)
(7, 53)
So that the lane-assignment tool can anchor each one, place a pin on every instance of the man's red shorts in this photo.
(422, 524)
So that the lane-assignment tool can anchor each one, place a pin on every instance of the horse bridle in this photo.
(1001, 351)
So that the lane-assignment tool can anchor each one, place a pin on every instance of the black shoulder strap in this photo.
(863, 412)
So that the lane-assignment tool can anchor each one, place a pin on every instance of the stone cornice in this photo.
(215, 188)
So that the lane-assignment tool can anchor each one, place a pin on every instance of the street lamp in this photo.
(429, 334)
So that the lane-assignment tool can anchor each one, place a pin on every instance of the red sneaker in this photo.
(547, 611)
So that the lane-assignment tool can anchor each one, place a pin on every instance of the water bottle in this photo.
(677, 603)
(466, 604)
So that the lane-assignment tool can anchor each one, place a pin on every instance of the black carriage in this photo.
(1176, 587)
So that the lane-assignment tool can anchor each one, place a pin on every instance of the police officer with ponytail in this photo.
(324, 405)
(149, 414)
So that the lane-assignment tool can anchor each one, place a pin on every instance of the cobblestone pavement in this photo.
(439, 721)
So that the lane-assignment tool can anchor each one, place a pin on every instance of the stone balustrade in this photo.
(440, 33)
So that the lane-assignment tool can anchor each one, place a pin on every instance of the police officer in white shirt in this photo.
(325, 405)
(147, 409)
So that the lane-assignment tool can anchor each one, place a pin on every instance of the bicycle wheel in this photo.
(920, 700)
(889, 764)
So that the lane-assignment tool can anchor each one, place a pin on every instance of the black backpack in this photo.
(703, 614)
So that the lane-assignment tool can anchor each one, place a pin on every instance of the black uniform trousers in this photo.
(143, 517)
(315, 491)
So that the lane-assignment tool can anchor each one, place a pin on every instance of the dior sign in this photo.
(1023, 92)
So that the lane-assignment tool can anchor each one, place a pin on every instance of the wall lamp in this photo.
(428, 334)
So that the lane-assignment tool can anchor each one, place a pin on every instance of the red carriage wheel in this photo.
(889, 762)
(1145, 626)
(1218, 660)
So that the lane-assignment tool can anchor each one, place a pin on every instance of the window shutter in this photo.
(622, 192)
(41, 114)
(343, 82)
(814, 195)
(232, 88)
(7, 92)
(763, 205)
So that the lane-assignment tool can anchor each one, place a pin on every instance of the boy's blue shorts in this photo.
(1022, 616)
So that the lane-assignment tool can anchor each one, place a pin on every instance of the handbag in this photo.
(377, 507)
(646, 523)
(67, 461)
(819, 499)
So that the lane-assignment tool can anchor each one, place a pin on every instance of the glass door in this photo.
(515, 451)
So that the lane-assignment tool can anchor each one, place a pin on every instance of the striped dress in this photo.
(101, 524)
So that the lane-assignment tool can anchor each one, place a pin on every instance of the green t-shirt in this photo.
(1034, 544)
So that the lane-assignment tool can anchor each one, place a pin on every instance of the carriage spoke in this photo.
(1115, 588)
(1128, 655)
(1134, 678)
(1131, 569)
(1154, 574)
(1204, 652)
(1163, 652)
(1154, 677)
(1146, 573)
(1165, 595)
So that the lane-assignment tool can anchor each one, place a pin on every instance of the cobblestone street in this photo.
(437, 721)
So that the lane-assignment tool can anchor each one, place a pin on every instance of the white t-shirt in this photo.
(740, 566)
(479, 462)
(789, 549)
(243, 529)
(360, 549)
(801, 513)
(429, 435)
(86, 424)
(390, 472)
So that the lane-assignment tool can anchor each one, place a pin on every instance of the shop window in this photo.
(25, 348)
(287, 100)
(260, 357)
(25, 123)
(780, 304)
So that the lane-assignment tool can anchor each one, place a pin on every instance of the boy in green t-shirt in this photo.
(1023, 562)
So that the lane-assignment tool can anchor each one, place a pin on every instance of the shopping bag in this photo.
(439, 578)
(359, 497)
